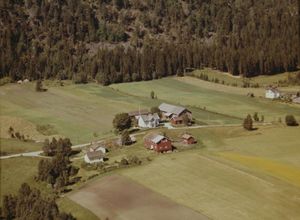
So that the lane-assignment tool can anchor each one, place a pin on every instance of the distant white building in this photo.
(148, 121)
(94, 157)
(272, 93)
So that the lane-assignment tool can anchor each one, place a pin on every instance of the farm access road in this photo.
(38, 153)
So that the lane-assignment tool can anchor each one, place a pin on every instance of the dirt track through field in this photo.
(117, 197)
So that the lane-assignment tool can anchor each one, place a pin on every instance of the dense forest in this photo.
(129, 40)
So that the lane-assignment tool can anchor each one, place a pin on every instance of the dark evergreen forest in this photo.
(130, 40)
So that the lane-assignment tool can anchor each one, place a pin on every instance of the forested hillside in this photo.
(130, 40)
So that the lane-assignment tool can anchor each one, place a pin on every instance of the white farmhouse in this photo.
(148, 121)
(97, 147)
(272, 93)
(94, 157)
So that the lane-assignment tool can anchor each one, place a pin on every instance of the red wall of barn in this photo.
(164, 145)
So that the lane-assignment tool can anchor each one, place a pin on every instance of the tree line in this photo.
(29, 203)
(129, 40)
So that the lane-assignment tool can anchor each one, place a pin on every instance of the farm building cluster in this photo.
(143, 118)
(172, 113)
(274, 93)
(161, 143)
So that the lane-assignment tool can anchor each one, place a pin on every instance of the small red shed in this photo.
(188, 139)
(158, 143)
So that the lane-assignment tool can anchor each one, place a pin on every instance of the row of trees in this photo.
(60, 146)
(155, 38)
(29, 203)
(57, 171)
(290, 120)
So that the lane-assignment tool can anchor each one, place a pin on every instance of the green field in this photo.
(16, 171)
(190, 91)
(80, 112)
(75, 111)
(230, 174)
(76, 210)
(224, 180)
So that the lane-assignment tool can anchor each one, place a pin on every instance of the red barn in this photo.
(157, 142)
(188, 139)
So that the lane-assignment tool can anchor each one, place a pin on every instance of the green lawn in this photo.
(190, 91)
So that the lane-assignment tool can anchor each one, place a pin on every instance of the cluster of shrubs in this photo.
(248, 121)
(46, 129)
(203, 76)
(290, 120)
(16, 134)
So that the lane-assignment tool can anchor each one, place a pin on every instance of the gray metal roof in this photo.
(171, 108)
(157, 139)
(139, 112)
(95, 155)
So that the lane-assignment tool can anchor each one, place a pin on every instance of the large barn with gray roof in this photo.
(174, 113)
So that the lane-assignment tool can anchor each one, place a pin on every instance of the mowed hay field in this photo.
(228, 180)
(214, 97)
(116, 197)
(79, 112)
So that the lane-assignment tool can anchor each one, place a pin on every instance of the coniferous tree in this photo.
(248, 123)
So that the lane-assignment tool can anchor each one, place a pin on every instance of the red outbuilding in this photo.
(158, 143)
(188, 139)
(176, 120)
